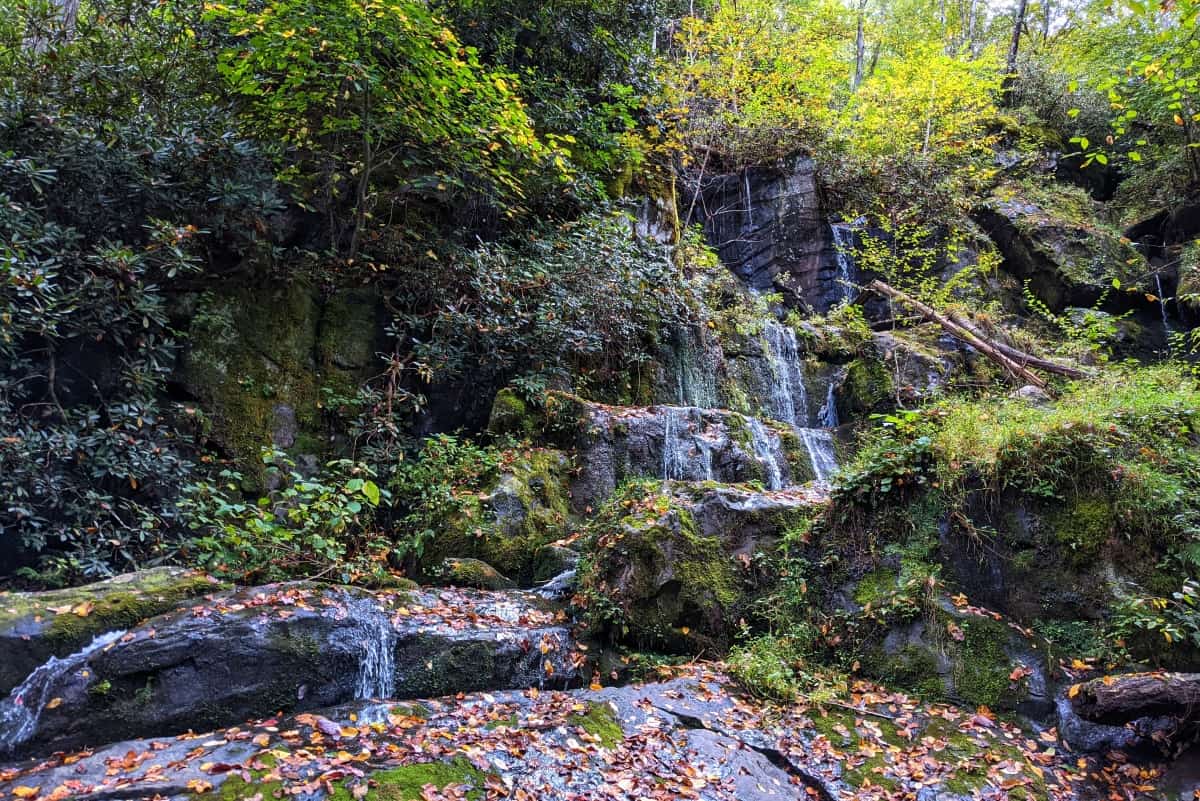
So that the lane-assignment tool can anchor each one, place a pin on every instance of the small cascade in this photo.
(789, 398)
(843, 250)
(682, 447)
(1162, 303)
(828, 416)
(561, 586)
(20, 712)
(749, 202)
(819, 444)
(764, 453)
(377, 662)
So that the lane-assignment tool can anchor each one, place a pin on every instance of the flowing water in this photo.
(1162, 303)
(764, 453)
(788, 402)
(377, 662)
(789, 398)
(843, 249)
(819, 444)
(682, 446)
(20, 712)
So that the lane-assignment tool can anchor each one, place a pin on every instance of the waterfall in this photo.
(789, 398)
(819, 444)
(843, 249)
(377, 662)
(561, 586)
(764, 453)
(20, 712)
(828, 416)
(749, 202)
(681, 446)
(1162, 303)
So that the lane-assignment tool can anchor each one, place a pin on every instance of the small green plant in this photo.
(1176, 619)
(429, 489)
(309, 526)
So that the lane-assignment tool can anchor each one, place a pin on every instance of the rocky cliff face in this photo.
(771, 229)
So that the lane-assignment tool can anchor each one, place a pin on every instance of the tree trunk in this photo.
(1010, 76)
(68, 15)
(1022, 358)
(860, 49)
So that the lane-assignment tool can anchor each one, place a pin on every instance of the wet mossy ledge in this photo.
(36, 626)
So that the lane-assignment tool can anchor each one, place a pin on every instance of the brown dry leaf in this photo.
(84, 609)
(199, 786)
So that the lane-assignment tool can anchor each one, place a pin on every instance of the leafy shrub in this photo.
(322, 525)
(1176, 619)
(582, 302)
(428, 488)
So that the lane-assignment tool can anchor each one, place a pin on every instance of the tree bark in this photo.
(860, 49)
(1013, 368)
(1021, 357)
(1014, 46)
(1115, 700)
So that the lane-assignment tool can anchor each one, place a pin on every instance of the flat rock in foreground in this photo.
(692, 737)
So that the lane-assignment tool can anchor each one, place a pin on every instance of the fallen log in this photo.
(1115, 700)
(1015, 369)
(1022, 357)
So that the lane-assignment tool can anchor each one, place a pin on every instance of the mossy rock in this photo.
(511, 415)
(653, 580)
(36, 626)
(600, 721)
(472, 573)
(507, 523)
(866, 387)
(406, 783)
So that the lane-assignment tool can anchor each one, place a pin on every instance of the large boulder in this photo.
(674, 567)
(37, 626)
(1055, 237)
(284, 647)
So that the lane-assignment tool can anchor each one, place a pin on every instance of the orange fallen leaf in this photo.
(54, 703)
(24, 791)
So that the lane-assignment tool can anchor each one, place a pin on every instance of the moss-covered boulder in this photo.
(472, 573)
(674, 568)
(506, 523)
(1055, 237)
(37, 626)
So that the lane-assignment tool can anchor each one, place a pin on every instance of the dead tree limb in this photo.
(1014, 368)
(1020, 357)
(1116, 700)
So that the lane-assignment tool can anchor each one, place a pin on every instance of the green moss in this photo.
(914, 668)
(870, 769)
(511, 415)
(868, 384)
(118, 603)
(406, 783)
(875, 586)
(982, 666)
(600, 721)
(508, 522)
(1084, 527)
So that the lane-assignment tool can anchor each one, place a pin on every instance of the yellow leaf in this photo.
(54, 703)
(199, 786)
(84, 609)
(26, 792)
(1074, 691)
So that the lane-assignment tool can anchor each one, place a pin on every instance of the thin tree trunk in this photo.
(860, 49)
(68, 14)
(1014, 369)
(1014, 46)
(1021, 357)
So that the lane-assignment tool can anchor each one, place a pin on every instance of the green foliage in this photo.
(308, 526)
(542, 310)
(1175, 619)
(432, 488)
(375, 102)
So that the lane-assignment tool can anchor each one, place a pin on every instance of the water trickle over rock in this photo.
(20, 712)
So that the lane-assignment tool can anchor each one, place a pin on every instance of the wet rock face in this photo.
(680, 444)
(691, 737)
(296, 646)
(769, 227)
